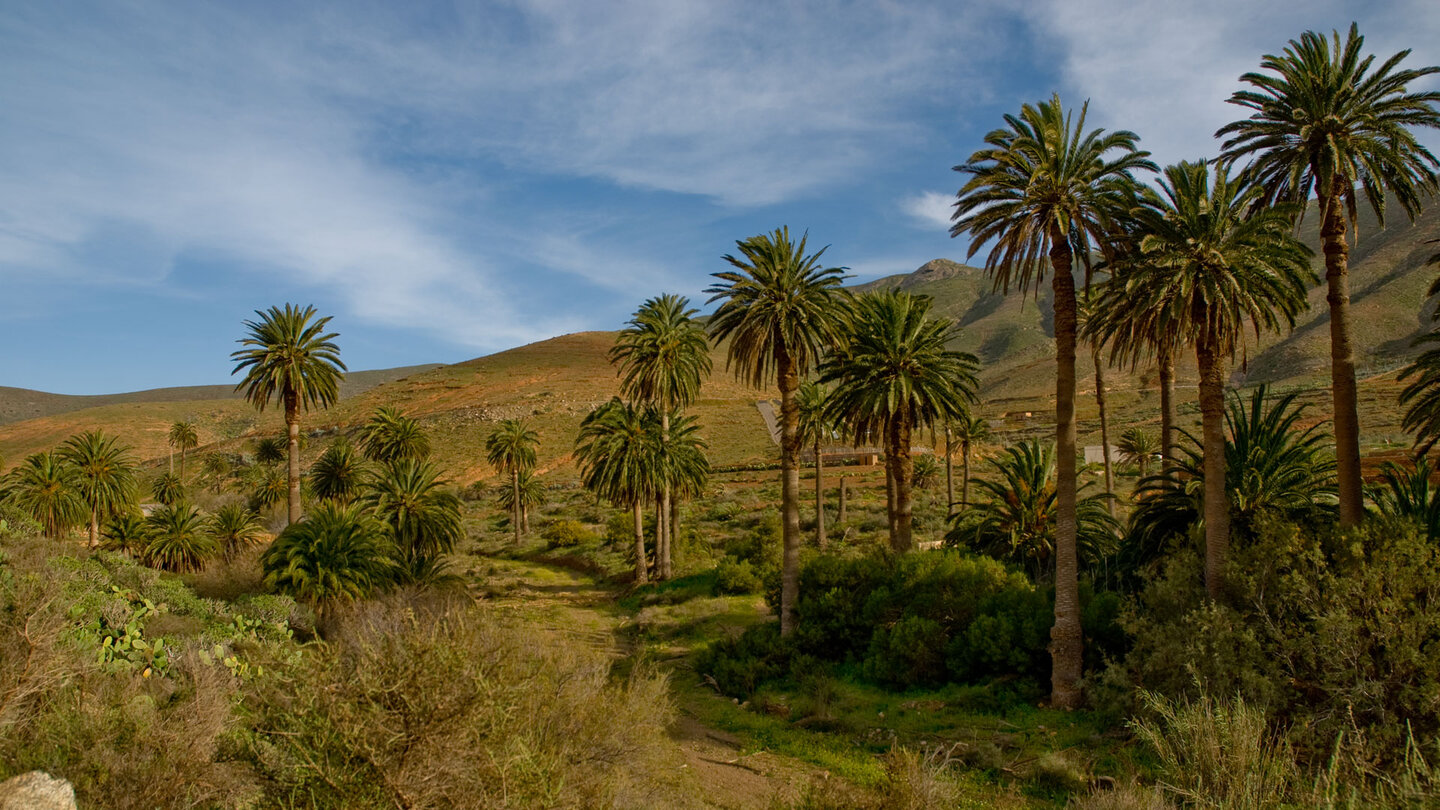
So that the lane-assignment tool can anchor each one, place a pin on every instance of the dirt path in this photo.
(722, 773)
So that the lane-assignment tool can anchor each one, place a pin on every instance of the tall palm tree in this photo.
(532, 495)
(339, 473)
(663, 355)
(184, 437)
(893, 376)
(617, 451)
(1045, 187)
(290, 358)
(815, 427)
(105, 475)
(1215, 262)
(1016, 520)
(47, 489)
(1137, 446)
(337, 555)
(1322, 120)
(971, 430)
(423, 516)
(392, 436)
(510, 448)
(781, 312)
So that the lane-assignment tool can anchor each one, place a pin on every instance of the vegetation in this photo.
(510, 449)
(183, 436)
(391, 436)
(289, 358)
(335, 557)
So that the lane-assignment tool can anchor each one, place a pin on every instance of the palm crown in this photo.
(662, 353)
(290, 358)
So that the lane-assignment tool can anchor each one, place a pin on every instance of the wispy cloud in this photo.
(930, 209)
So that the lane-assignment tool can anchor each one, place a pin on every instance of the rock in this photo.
(36, 790)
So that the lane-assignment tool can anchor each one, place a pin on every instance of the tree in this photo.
(290, 358)
(510, 449)
(48, 490)
(892, 376)
(1409, 494)
(268, 486)
(1216, 262)
(532, 496)
(234, 529)
(970, 429)
(1137, 446)
(168, 489)
(104, 474)
(1421, 398)
(1322, 120)
(1016, 518)
(269, 450)
(183, 436)
(781, 312)
(179, 539)
(127, 533)
(815, 427)
(1044, 187)
(617, 451)
(663, 355)
(423, 517)
(684, 465)
(392, 436)
(339, 473)
(336, 556)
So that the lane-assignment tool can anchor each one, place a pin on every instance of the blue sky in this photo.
(453, 180)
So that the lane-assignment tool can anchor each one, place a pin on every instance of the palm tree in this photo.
(893, 376)
(971, 430)
(1016, 519)
(292, 360)
(423, 517)
(1214, 260)
(168, 489)
(183, 436)
(1421, 398)
(532, 496)
(1409, 494)
(617, 451)
(235, 528)
(179, 539)
(781, 312)
(268, 486)
(127, 533)
(815, 427)
(511, 450)
(47, 489)
(663, 355)
(269, 450)
(1270, 466)
(1044, 187)
(392, 436)
(337, 555)
(105, 475)
(1137, 446)
(1323, 121)
(685, 467)
(339, 473)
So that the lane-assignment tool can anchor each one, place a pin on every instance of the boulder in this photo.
(36, 790)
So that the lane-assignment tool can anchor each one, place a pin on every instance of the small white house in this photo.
(1094, 454)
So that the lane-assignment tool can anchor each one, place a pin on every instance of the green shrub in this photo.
(566, 533)
(732, 577)
(911, 652)
(738, 666)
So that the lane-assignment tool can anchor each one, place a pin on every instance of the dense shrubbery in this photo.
(566, 533)
(1332, 633)
(913, 620)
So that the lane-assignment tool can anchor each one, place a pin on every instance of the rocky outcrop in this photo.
(36, 790)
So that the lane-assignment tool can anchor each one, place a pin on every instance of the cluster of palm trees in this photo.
(1192, 263)
(511, 449)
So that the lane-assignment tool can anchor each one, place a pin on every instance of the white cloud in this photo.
(930, 209)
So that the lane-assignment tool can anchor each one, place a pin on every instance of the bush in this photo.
(732, 577)
(738, 666)
(566, 534)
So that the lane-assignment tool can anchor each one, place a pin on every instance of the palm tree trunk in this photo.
(1066, 642)
(662, 525)
(1342, 358)
(965, 479)
(1104, 428)
(641, 566)
(1167, 411)
(94, 525)
(889, 489)
(903, 539)
(182, 462)
(292, 429)
(1212, 427)
(844, 487)
(672, 529)
(789, 382)
(819, 498)
(515, 503)
(949, 475)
